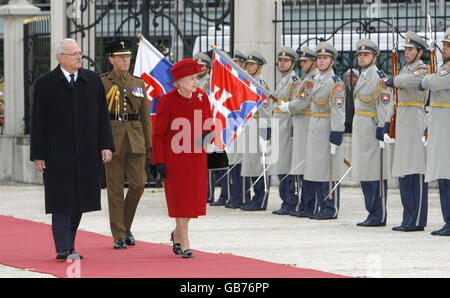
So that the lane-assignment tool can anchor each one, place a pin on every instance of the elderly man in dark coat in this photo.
(70, 139)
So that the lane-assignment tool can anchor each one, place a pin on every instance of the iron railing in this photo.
(36, 58)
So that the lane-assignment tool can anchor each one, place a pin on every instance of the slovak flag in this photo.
(234, 97)
(154, 69)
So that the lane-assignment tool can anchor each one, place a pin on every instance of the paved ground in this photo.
(336, 246)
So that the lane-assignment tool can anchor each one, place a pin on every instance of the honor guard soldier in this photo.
(256, 132)
(409, 153)
(324, 155)
(300, 110)
(203, 82)
(239, 196)
(372, 105)
(132, 132)
(281, 132)
(438, 157)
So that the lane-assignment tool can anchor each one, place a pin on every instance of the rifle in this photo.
(433, 61)
(391, 132)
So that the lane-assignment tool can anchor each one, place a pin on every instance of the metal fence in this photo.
(344, 22)
(178, 28)
(36, 58)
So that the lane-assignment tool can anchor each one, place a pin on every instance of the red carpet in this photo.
(29, 245)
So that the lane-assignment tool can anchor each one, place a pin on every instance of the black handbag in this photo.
(217, 160)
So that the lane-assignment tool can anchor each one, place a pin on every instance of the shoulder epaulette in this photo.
(294, 78)
(381, 74)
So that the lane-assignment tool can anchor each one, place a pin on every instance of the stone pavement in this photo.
(336, 246)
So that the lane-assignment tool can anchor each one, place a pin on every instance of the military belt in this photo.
(280, 112)
(411, 104)
(304, 113)
(440, 105)
(125, 117)
(321, 115)
(365, 113)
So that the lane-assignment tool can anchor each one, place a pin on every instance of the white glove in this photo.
(388, 140)
(284, 107)
(209, 148)
(333, 148)
(382, 145)
(263, 145)
(424, 141)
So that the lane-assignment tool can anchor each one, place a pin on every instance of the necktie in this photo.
(72, 79)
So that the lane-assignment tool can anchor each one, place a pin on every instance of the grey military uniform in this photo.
(252, 165)
(372, 105)
(438, 156)
(409, 152)
(281, 140)
(300, 110)
(203, 82)
(328, 114)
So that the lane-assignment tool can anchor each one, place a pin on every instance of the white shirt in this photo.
(67, 74)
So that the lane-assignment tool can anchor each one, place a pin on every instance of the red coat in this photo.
(174, 136)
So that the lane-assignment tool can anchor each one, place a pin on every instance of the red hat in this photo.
(184, 68)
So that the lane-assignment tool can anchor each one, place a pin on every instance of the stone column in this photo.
(14, 13)
(58, 19)
(254, 29)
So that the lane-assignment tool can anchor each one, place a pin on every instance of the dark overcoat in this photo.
(69, 128)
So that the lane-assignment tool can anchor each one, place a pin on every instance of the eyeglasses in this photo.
(73, 54)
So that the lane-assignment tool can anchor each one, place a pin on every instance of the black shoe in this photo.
(407, 228)
(129, 239)
(120, 244)
(62, 254)
(282, 211)
(371, 223)
(445, 231)
(218, 203)
(74, 255)
(322, 216)
(234, 206)
(187, 254)
(252, 208)
(302, 214)
(176, 247)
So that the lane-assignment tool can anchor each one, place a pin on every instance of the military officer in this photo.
(256, 132)
(372, 104)
(438, 158)
(282, 130)
(324, 155)
(203, 77)
(132, 132)
(409, 153)
(238, 194)
(300, 110)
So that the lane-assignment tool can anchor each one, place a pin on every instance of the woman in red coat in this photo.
(183, 120)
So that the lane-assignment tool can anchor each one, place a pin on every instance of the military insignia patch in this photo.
(309, 85)
(385, 98)
(297, 85)
(138, 92)
(339, 88)
(339, 102)
(443, 72)
(302, 95)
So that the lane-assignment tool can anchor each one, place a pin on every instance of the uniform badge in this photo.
(339, 102)
(138, 92)
(309, 85)
(339, 88)
(302, 95)
(443, 72)
(297, 85)
(385, 98)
